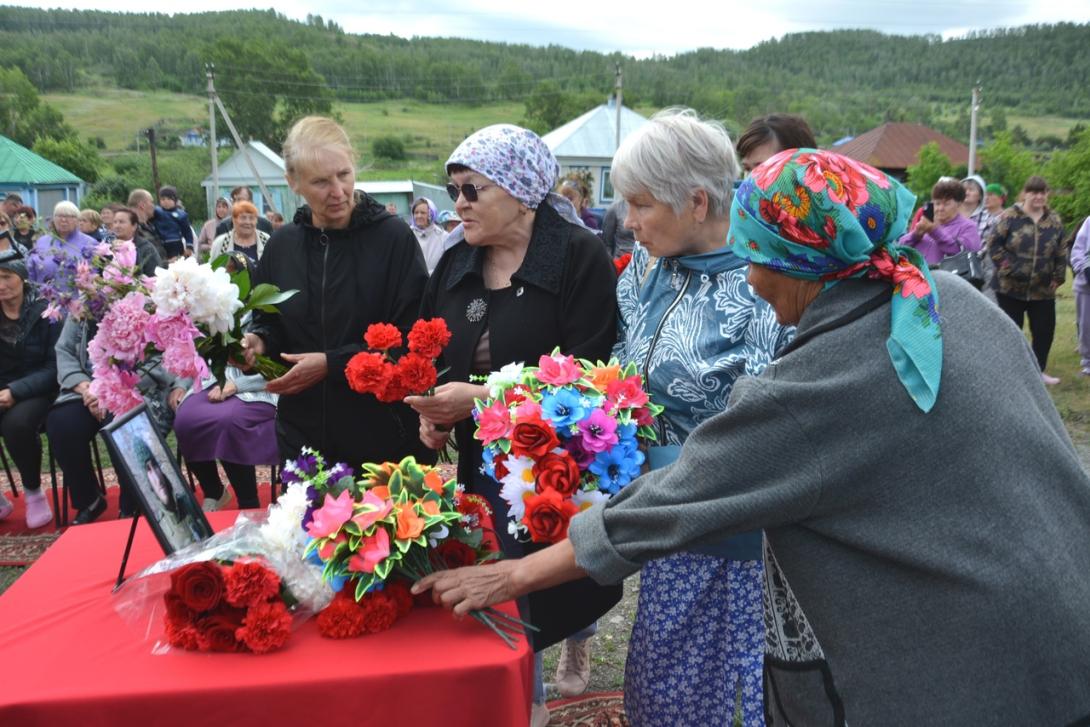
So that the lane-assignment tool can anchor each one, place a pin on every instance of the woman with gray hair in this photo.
(692, 324)
(521, 277)
(63, 233)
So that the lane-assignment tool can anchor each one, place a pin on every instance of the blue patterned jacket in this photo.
(693, 326)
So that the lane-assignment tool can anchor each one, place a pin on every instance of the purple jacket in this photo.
(1080, 258)
(945, 240)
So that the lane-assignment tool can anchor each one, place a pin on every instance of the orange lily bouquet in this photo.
(398, 520)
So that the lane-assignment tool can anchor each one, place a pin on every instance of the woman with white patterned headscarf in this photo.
(520, 277)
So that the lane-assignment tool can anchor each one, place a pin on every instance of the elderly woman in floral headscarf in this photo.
(940, 583)
(429, 235)
(520, 278)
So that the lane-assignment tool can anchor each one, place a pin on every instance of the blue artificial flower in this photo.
(337, 582)
(618, 466)
(563, 407)
(488, 466)
(626, 431)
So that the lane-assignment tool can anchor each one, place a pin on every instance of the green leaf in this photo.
(220, 262)
(242, 280)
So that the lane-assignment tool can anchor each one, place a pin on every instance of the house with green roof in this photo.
(40, 182)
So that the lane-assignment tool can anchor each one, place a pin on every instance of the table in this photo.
(68, 658)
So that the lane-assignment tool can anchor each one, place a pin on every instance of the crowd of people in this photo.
(809, 529)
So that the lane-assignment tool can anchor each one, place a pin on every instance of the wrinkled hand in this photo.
(90, 401)
(215, 394)
(175, 398)
(431, 437)
(469, 589)
(6, 399)
(450, 404)
(308, 370)
(229, 390)
(253, 346)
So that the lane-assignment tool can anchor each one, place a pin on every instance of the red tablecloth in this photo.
(68, 658)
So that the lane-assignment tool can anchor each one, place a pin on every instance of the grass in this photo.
(1038, 126)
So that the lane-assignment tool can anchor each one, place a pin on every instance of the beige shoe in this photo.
(210, 505)
(539, 716)
(573, 667)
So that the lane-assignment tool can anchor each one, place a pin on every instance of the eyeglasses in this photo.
(469, 191)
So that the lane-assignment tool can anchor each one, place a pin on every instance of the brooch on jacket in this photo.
(475, 310)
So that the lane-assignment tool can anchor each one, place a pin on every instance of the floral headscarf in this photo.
(821, 216)
(432, 213)
(519, 162)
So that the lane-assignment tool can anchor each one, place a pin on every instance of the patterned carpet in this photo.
(600, 709)
(24, 549)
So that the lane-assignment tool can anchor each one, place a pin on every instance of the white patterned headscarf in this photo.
(519, 162)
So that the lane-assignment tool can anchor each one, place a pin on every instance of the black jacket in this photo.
(371, 272)
(564, 294)
(29, 366)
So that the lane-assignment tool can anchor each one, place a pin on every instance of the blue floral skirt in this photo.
(698, 642)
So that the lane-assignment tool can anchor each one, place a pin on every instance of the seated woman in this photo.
(208, 230)
(235, 424)
(576, 188)
(125, 228)
(429, 235)
(927, 568)
(90, 224)
(26, 229)
(28, 383)
(243, 235)
(693, 326)
(948, 239)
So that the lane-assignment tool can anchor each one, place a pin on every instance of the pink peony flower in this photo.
(494, 423)
(173, 330)
(121, 332)
(116, 389)
(558, 370)
(329, 518)
(183, 360)
(124, 253)
(373, 550)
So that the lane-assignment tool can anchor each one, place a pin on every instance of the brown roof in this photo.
(897, 146)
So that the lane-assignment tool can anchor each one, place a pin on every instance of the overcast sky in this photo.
(664, 27)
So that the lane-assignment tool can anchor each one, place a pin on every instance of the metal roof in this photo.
(20, 165)
(897, 146)
(594, 134)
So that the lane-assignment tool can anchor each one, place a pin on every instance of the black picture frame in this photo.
(138, 449)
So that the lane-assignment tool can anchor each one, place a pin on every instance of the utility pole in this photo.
(975, 107)
(242, 148)
(150, 133)
(213, 139)
(619, 97)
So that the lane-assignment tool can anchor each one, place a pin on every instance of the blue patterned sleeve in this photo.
(764, 337)
(628, 298)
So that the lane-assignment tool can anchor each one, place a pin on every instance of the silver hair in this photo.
(674, 155)
(66, 208)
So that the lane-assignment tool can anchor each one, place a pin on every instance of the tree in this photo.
(548, 107)
(1003, 162)
(388, 147)
(933, 164)
(1069, 174)
(25, 118)
(267, 88)
(75, 155)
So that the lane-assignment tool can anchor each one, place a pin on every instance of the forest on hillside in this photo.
(843, 81)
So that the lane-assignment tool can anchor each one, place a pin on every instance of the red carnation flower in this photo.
(427, 338)
(267, 626)
(401, 595)
(379, 612)
(183, 636)
(382, 336)
(342, 618)
(250, 583)
(415, 373)
(366, 372)
(391, 388)
(200, 585)
(619, 264)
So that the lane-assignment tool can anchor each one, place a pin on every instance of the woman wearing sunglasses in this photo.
(521, 276)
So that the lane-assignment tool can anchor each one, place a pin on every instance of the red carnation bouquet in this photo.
(376, 372)
(226, 607)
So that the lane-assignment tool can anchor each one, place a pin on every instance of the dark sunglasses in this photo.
(469, 191)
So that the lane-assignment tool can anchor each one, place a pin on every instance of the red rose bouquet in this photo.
(562, 436)
(375, 372)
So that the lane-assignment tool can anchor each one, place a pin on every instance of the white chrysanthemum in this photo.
(518, 485)
(282, 529)
(507, 376)
(207, 295)
(584, 499)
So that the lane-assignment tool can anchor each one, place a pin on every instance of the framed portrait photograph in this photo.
(145, 465)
